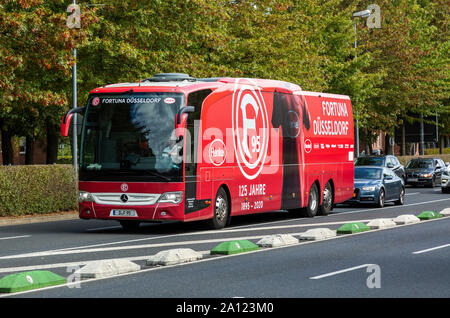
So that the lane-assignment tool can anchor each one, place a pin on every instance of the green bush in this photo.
(405, 159)
(435, 151)
(37, 189)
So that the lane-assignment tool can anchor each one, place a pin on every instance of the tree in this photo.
(407, 54)
(36, 60)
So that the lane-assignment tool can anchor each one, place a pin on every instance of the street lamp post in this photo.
(359, 14)
(73, 21)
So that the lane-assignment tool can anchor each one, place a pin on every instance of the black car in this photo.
(425, 171)
(386, 161)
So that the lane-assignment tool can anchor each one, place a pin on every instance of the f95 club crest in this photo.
(250, 129)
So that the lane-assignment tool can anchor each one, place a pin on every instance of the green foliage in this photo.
(405, 159)
(435, 151)
(400, 69)
(37, 189)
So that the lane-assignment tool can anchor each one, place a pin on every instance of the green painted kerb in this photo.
(428, 215)
(351, 228)
(234, 247)
(29, 280)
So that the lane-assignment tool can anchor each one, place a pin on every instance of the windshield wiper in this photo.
(128, 170)
(156, 174)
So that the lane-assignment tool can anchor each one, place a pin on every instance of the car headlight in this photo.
(171, 197)
(369, 188)
(84, 196)
(444, 181)
(426, 175)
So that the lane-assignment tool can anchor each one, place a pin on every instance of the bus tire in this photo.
(327, 204)
(221, 210)
(313, 202)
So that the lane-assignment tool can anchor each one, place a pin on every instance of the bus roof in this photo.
(183, 83)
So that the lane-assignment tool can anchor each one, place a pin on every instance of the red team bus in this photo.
(176, 148)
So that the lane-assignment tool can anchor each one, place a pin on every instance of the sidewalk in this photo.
(28, 219)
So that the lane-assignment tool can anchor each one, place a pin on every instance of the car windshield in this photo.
(370, 161)
(131, 138)
(368, 173)
(420, 164)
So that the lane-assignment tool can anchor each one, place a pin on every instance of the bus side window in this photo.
(193, 123)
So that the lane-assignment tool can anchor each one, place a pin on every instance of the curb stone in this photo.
(62, 216)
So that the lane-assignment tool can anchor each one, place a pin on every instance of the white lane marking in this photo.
(130, 247)
(14, 237)
(349, 212)
(340, 271)
(244, 228)
(92, 249)
(432, 249)
(387, 207)
(412, 193)
(77, 249)
(78, 263)
(69, 285)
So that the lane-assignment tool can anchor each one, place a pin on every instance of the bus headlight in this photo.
(171, 197)
(85, 197)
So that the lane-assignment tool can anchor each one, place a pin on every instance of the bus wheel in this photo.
(327, 204)
(221, 208)
(130, 225)
(313, 202)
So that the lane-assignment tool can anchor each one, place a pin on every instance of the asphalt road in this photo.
(405, 261)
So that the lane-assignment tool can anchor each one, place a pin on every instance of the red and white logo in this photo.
(217, 152)
(308, 146)
(95, 101)
(169, 100)
(124, 187)
(250, 129)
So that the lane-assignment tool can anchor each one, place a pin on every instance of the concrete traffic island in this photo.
(174, 256)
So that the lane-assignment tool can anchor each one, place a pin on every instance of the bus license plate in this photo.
(127, 213)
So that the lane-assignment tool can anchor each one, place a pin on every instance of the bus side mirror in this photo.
(65, 123)
(181, 118)
(187, 109)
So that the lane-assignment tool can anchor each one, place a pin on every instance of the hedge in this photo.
(405, 159)
(37, 189)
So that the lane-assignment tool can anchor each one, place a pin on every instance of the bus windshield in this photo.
(131, 138)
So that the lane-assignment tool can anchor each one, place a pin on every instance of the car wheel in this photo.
(401, 198)
(381, 198)
(327, 204)
(313, 202)
(445, 190)
(221, 209)
(432, 183)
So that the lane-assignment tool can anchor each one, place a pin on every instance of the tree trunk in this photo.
(29, 150)
(7, 148)
(403, 149)
(52, 143)
(387, 145)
